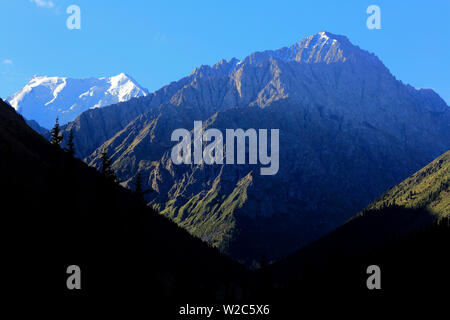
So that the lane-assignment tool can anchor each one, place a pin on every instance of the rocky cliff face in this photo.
(348, 131)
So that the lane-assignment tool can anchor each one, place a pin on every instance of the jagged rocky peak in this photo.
(221, 68)
(322, 47)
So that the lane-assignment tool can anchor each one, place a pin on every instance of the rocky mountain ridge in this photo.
(348, 131)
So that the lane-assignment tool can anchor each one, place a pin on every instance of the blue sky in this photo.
(157, 42)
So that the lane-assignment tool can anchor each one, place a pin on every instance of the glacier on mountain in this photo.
(44, 99)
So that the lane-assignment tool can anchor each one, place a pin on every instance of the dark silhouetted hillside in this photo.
(60, 212)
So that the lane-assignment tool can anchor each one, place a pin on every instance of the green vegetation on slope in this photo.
(428, 187)
(210, 217)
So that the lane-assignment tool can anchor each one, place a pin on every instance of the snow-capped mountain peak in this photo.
(323, 48)
(44, 98)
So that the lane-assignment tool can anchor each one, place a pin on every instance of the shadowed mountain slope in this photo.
(374, 235)
(61, 212)
(348, 131)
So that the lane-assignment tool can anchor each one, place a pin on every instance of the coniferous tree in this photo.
(71, 145)
(107, 169)
(139, 192)
(56, 137)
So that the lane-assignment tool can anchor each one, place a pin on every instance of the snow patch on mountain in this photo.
(43, 98)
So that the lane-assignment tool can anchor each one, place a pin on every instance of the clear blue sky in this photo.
(157, 42)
